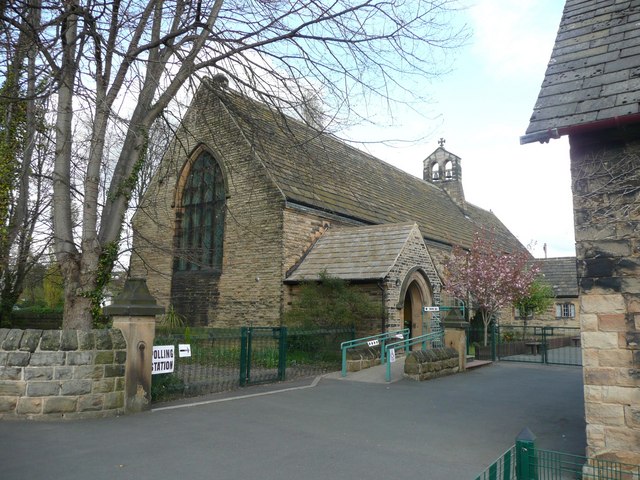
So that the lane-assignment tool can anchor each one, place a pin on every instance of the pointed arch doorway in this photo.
(417, 292)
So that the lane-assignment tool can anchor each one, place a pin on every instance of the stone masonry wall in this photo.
(433, 363)
(548, 318)
(414, 254)
(49, 374)
(606, 192)
(249, 288)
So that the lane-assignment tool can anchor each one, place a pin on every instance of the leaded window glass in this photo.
(201, 217)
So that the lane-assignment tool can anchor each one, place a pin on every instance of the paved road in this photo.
(323, 428)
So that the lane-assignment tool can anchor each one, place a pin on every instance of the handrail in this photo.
(372, 340)
(423, 339)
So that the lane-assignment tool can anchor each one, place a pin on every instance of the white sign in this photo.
(373, 343)
(184, 350)
(163, 359)
(392, 355)
(400, 336)
(431, 309)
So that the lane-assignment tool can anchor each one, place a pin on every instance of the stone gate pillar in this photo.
(134, 312)
(455, 335)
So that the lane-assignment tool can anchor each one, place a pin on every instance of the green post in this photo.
(494, 332)
(282, 357)
(544, 345)
(526, 460)
(244, 338)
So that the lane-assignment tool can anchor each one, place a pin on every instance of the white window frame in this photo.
(565, 310)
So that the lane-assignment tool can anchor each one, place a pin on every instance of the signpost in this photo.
(430, 309)
(184, 350)
(163, 359)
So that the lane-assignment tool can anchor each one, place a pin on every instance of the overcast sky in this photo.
(483, 107)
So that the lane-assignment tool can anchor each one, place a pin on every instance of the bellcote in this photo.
(442, 168)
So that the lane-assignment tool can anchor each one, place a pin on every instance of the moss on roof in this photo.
(315, 169)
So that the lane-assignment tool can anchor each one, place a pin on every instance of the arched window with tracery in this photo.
(200, 217)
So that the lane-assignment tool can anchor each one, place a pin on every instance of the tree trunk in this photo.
(77, 289)
(486, 320)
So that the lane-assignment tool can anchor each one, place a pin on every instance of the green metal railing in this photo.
(370, 341)
(227, 359)
(524, 461)
(504, 468)
(428, 340)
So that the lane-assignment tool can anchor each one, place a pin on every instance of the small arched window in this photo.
(200, 218)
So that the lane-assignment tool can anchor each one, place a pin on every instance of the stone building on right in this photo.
(591, 93)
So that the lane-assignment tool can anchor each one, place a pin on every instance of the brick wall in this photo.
(61, 373)
(606, 188)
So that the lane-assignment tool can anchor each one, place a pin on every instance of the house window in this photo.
(200, 218)
(527, 315)
(565, 310)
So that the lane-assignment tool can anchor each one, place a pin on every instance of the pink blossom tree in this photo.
(489, 277)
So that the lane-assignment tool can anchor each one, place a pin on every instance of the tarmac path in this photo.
(322, 428)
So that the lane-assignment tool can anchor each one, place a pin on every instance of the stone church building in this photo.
(248, 203)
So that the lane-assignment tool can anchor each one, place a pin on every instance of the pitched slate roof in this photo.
(593, 77)
(318, 171)
(561, 274)
(354, 253)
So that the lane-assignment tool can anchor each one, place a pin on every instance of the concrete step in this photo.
(478, 363)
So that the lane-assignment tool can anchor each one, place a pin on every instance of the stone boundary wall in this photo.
(53, 374)
(428, 364)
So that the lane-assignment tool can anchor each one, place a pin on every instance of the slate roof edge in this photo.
(293, 281)
(543, 136)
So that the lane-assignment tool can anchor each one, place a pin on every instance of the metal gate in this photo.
(531, 344)
(547, 345)
(263, 355)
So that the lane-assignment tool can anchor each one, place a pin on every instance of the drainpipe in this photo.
(381, 287)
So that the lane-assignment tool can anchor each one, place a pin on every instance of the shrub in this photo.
(331, 303)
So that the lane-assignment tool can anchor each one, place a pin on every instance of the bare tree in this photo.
(101, 55)
(24, 155)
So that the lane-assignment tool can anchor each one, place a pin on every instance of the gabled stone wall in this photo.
(249, 288)
(606, 193)
(413, 254)
(48, 374)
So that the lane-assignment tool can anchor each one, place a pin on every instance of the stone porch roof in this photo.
(593, 77)
(354, 253)
(318, 171)
(561, 274)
